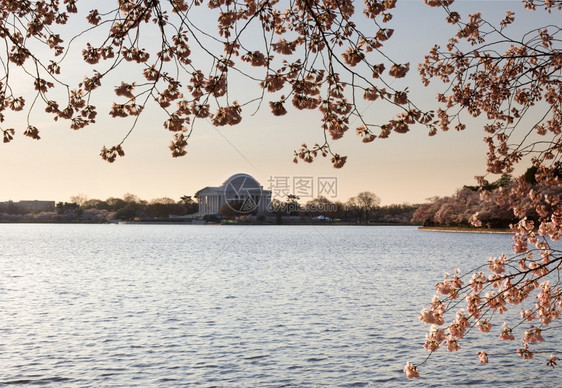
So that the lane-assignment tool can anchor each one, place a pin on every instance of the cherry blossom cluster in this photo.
(504, 86)
(312, 56)
(501, 86)
(532, 272)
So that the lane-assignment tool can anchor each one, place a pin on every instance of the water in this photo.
(235, 306)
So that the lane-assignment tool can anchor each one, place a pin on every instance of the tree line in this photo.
(486, 203)
(458, 209)
(363, 208)
(82, 209)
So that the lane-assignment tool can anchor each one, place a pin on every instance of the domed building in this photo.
(241, 191)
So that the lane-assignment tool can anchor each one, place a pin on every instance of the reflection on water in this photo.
(235, 306)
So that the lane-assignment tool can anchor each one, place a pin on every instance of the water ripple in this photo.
(161, 306)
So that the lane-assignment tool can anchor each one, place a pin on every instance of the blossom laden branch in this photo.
(322, 47)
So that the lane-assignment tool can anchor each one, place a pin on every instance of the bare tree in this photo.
(364, 204)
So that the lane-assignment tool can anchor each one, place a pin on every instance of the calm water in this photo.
(235, 306)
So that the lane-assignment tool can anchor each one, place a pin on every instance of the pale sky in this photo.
(404, 168)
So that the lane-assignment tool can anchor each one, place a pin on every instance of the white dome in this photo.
(242, 180)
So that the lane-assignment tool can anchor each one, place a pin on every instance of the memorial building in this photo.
(241, 191)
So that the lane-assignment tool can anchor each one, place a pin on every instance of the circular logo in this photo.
(242, 193)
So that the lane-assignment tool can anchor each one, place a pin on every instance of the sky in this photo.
(406, 168)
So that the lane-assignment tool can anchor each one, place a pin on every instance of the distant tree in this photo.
(131, 207)
(320, 206)
(11, 208)
(164, 207)
(339, 212)
(530, 175)
(504, 181)
(115, 203)
(160, 207)
(289, 207)
(131, 198)
(230, 211)
(395, 213)
(353, 210)
(97, 215)
(47, 217)
(190, 204)
(96, 204)
(79, 199)
(129, 212)
(425, 213)
(278, 209)
(70, 210)
(364, 205)
(293, 206)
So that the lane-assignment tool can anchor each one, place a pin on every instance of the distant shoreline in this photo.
(176, 222)
(447, 229)
(451, 229)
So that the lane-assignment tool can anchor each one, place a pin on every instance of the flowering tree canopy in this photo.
(318, 55)
(310, 54)
(515, 85)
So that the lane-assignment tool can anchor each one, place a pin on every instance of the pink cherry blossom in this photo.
(411, 371)
(483, 357)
